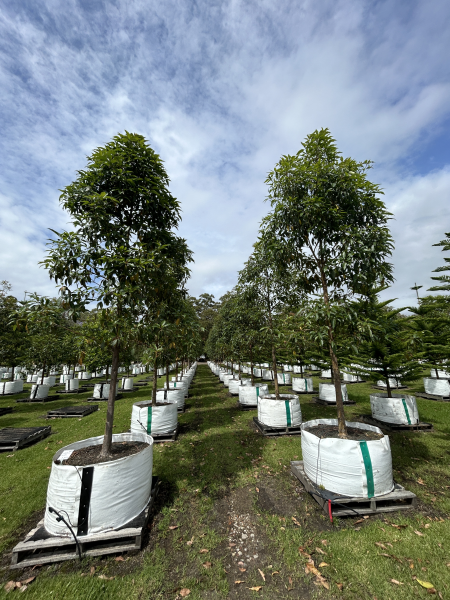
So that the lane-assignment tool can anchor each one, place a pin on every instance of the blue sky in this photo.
(222, 89)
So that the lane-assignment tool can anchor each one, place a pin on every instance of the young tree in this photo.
(444, 285)
(123, 244)
(13, 341)
(331, 227)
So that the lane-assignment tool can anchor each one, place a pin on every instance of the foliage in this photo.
(13, 342)
(444, 285)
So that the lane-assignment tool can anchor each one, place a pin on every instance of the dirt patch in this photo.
(353, 433)
(90, 455)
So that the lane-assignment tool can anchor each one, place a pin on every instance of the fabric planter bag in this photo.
(285, 412)
(226, 380)
(246, 381)
(267, 375)
(249, 394)
(101, 390)
(302, 384)
(39, 391)
(65, 378)
(154, 420)
(120, 489)
(178, 385)
(442, 374)
(50, 381)
(297, 370)
(72, 384)
(127, 383)
(438, 387)
(233, 386)
(284, 378)
(173, 396)
(393, 383)
(86, 375)
(327, 392)
(9, 387)
(257, 372)
(18, 385)
(34, 378)
(399, 410)
(347, 467)
(287, 368)
(350, 377)
(326, 374)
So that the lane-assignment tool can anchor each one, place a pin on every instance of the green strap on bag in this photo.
(288, 412)
(368, 467)
(149, 419)
(406, 411)
(306, 385)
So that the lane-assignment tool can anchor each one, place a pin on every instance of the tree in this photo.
(13, 342)
(331, 227)
(206, 308)
(444, 286)
(123, 253)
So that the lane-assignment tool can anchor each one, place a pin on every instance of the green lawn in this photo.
(220, 479)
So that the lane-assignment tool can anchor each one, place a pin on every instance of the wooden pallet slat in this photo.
(72, 411)
(171, 436)
(92, 399)
(395, 426)
(6, 410)
(243, 406)
(41, 400)
(276, 431)
(434, 397)
(346, 506)
(39, 547)
(14, 438)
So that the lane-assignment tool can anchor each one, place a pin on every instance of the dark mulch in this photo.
(91, 454)
(353, 433)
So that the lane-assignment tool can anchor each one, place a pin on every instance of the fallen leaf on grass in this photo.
(425, 584)
(418, 533)
(283, 528)
(207, 565)
(256, 588)
(29, 580)
(257, 489)
(396, 582)
(203, 551)
(242, 570)
(190, 542)
(275, 573)
(320, 551)
(231, 544)
(262, 574)
(92, 570)
(324, 542)
(184, 592)
(340, 586)
(290, 584)
(119, 558)
(296, 522)
(398, 526)
(359, 521)
(324, 564)
(380, 545)
(173, 527)
(10, 586)
(105, 577)
(238, 581)
(427, 526)
(420, 481)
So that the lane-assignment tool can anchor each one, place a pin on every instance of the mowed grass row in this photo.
(217, 452)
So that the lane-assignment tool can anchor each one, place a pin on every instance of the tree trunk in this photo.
(239, 369)
(275, 375)
(12, 372)
(107, 373)
(301, 369)
(43, 371)
(334, 367)
(167, 379)
(107, 440)
(251, 365)
(155, 382)
(388, 386)
(437, 374)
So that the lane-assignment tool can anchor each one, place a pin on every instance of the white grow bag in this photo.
(120, 488)
(327, 392)
(326, 374)
(347, 467)
(442, 374)
(178, 385)
(72, 385)
(351, 377)
(393, 383)
(302, 384)
(284, 378)
(285, 412)
(438, 387)
(257, 372)
(154, 419)
(233, 386)
(65, 377)
(288, 368)
(249, 394)
(267, 375)
(39, 391)
(101, 390)
(174, 395)
(127, 383)
(10, 387)
(50, 381)
(401, 409)
(245, 381)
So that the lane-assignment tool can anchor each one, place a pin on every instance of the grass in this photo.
(220, 470)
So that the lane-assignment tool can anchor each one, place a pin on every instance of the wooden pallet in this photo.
(346, 506)
(41, 400)
(6, 410)
(276, 431)
(393, 390)
(140, 384)
(395, 426)
(118, 397)
(432, 397)
(80, 390)
(291, 391)
(171, 436)
(40, 547)
(318, 400)
(14, 438)
(71, 412)
(242, 406)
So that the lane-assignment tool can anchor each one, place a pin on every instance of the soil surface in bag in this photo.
(90, 455)
(353, 433)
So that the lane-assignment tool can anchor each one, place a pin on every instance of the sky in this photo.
(221, 90)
